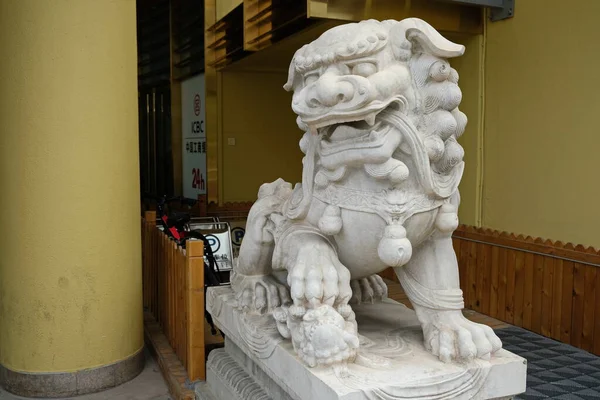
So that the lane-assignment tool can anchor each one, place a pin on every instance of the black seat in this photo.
(178, 219)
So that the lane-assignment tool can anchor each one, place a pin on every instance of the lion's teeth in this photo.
(370, 119)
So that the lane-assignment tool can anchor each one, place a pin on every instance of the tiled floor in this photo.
(554, 370)
(149, 385)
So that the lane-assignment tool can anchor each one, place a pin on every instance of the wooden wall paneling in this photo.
(502, 273)
(480, 273)
(487, 281)
(538, 282)
(494, 280)
(557, 299)
(472, 276)
(543, 286)
(596, 348)
(390, 274)
(578, 304)
(461, 252)
(547, 286)
(463, 270)
(589, 311)
(528, 291)
(566, 302)
(511, 260)
(579, 254)
(519, 295)
(456, 244)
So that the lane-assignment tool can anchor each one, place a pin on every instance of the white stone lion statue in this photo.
(378, 103)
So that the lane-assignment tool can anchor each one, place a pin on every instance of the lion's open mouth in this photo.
(352, 135)
(338, 133)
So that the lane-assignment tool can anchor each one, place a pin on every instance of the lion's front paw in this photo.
(260, 293)
(368, 290)
(317, 277)
(321, 336)
(452, 337)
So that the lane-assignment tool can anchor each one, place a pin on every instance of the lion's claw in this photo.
(260, 294)
(371, 289)
(317, 277)
(452, 337)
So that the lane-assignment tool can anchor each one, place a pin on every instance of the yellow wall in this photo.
(257, 113)
(541, 122)
(70, 256)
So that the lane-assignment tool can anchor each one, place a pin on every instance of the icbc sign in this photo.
(197, 104)
(194, 136)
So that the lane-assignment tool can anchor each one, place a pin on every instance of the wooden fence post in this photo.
(148, 255)
(153, 265)
(195, 310)
(181, 308)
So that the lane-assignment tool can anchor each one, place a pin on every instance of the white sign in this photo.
(194, 136)
(238, 230)
(219, 238)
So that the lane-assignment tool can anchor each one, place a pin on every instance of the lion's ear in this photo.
(289, 85)
(417, 35)
(432, 41)
(292, 74)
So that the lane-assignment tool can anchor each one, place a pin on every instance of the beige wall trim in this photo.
(67, 384)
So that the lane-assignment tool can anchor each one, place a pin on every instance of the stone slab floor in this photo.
(149, 385)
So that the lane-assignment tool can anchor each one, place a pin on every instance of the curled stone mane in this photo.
(371, 37)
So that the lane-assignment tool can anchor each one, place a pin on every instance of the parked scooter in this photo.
(176, 226)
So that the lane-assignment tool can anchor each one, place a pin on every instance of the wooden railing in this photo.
(203, 208)
(173, 293)
(550, 288)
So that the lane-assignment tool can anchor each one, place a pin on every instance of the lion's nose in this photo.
(330, 91)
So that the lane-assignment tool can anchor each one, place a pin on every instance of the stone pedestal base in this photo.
(392, 364)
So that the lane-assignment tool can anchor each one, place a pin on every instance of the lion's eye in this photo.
(364, 69)
(439, 71)
(310, 79)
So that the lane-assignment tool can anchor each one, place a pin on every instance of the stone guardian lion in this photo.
(378, 104)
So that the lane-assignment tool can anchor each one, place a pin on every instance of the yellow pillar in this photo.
(70, 257)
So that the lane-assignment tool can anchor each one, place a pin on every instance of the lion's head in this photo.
(376, 94)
